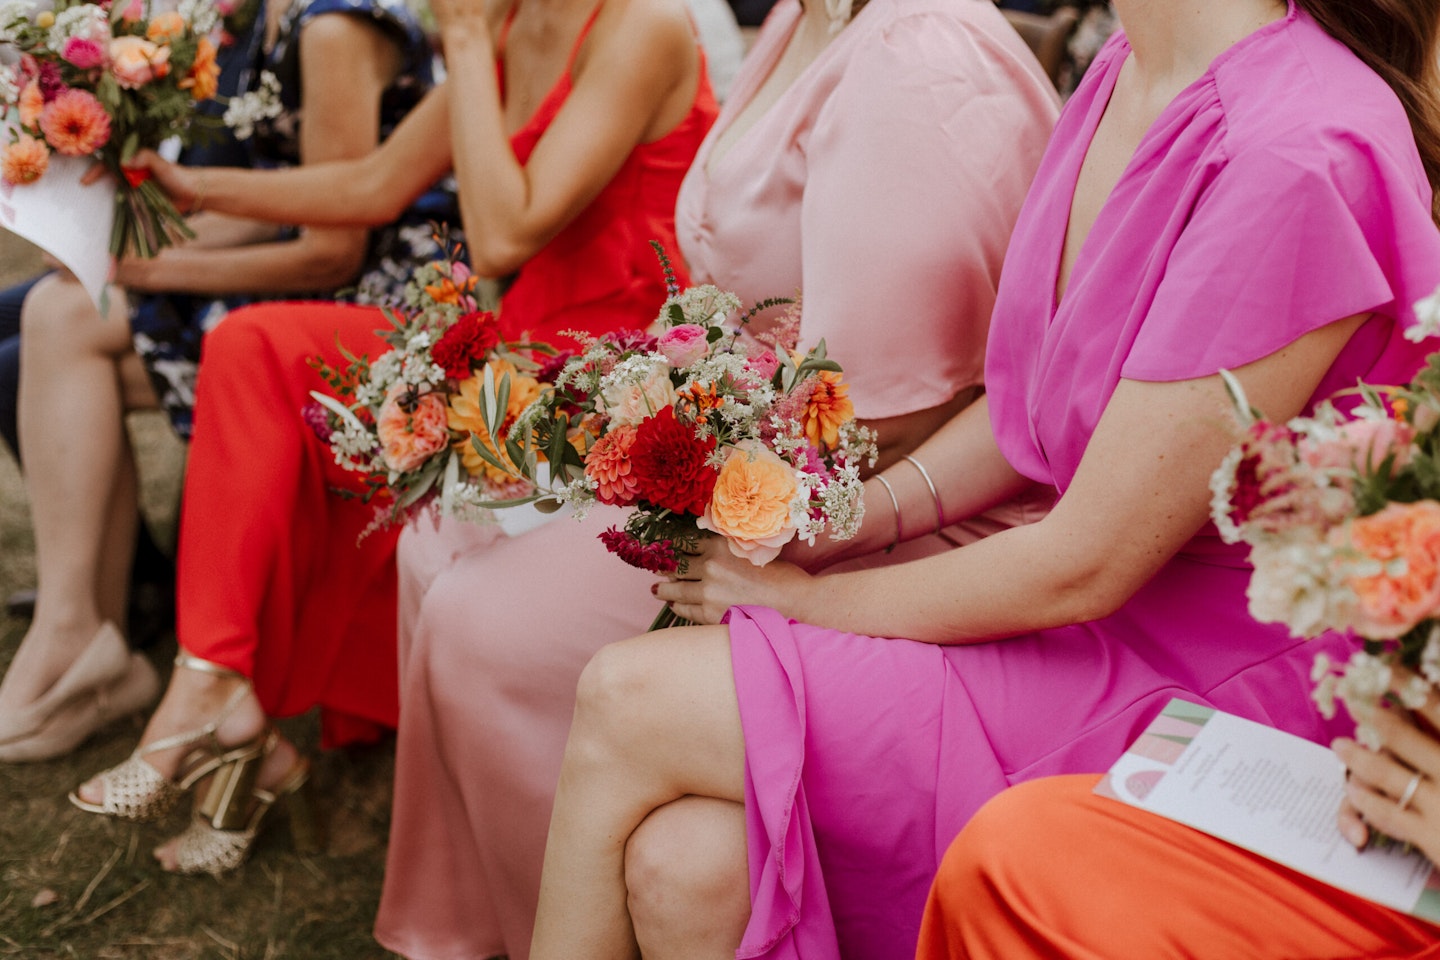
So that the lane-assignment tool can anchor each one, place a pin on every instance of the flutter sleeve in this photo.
(1284, 240)
(394, 17)
(917, 166)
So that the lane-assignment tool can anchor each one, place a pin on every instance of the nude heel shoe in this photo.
(104, 662)
(135, 790)
(83, 716)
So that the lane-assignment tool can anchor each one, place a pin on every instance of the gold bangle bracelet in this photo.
(934, 494)
(896, 504)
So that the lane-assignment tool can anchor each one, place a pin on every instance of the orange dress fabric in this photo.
(273, 578)
(1049, 869)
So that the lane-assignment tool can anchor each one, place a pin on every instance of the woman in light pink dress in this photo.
(1230, 187)
(817, 168)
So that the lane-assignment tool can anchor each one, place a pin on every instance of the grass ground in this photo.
(74, 885)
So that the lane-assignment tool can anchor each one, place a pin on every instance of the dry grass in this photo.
(74, 885)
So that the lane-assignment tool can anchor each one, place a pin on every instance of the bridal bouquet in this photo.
(699, 431)
(411, 420)
(103, 80)
(1342, 513)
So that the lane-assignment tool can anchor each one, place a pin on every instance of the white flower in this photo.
(200, 14)
(637, 388)
(1427, 316)
(87, 21)
(249, 108)
(1292, 585)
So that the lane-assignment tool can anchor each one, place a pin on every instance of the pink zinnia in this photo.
(75, 123)
(84, 54)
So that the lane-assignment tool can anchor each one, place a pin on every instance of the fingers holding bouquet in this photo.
(1393, 785)
(717, 578)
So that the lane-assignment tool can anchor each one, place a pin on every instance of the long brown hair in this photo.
(1397, 39)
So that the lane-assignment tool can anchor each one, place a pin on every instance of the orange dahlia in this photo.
(829, 406)
(24, 161)
(608, 464)
(75, 123)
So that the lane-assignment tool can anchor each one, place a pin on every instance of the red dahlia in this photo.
(465, 345)
(669, 464)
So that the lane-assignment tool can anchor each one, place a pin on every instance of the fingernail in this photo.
(654, 589)
(1354, 833)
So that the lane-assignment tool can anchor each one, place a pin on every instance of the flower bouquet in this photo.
(698, 431)
(411, 420)
(1342, 514)
(102, 81)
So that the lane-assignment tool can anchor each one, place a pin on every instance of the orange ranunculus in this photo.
(828, 407)
(75, 123)
(465, 418)
(24, 161)
(165, 27)
(32, 101)
(203, 80)
(450, 291)
(1404, 539)
(411, 430)
(750, 505)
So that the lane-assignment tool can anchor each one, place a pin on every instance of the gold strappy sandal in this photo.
(229, 817)
(135, 790)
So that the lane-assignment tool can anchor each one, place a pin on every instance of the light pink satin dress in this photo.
(884, 184)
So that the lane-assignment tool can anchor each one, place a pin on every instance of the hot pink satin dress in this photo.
(912, 138)
(1279, 192)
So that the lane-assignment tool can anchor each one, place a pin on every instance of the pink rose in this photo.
(1360, 443)
(136, 61)
(83, 53)
(762, 362)
(410, 437)
(684, 344)
(133, 12)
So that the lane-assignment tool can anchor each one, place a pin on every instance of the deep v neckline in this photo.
(1093, 118)
(544, 110)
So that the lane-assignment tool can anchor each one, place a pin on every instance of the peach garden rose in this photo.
(750, 505)
(136, 61)
(410, 437)
(1400, 586)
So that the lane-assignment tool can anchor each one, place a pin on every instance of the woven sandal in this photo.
(135, 790)
(228, 821)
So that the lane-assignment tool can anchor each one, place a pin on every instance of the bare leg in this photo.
(685, 870)
(656, 719)
(79, 475)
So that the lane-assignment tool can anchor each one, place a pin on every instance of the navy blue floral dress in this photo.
(168, 328)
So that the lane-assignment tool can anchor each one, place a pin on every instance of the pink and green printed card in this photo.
(1268, 791)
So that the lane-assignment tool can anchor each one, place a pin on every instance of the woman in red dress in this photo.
(569, 151)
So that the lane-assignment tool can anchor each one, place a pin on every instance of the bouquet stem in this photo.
(145, 220)
(666, 619)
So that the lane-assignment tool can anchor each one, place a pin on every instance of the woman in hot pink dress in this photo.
(1232, 188)
(794, 190)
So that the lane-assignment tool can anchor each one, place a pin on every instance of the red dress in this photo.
(271, 579)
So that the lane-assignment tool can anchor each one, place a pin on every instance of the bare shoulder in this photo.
(340, 31)
(661, 29)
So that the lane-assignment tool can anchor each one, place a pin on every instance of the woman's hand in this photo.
(183, 185)
(716, 580)
(1397, 789)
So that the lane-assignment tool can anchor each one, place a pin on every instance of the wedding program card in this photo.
(69, 221)
(1269, 792)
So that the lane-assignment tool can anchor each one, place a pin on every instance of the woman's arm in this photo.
(619, 100)
(347, 63)
(1141, 491)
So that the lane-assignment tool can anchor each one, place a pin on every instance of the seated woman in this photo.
(1169, 235)
(1007, 888)
(368, 64)
(569, 157)
(772, 205)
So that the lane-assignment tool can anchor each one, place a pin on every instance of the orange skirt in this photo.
(1048, 869)
(273, 578)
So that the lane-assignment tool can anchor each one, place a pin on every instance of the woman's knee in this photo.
(687, 877)
(59, 314)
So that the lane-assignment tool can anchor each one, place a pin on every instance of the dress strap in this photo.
(584, 32)
(503, 40)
